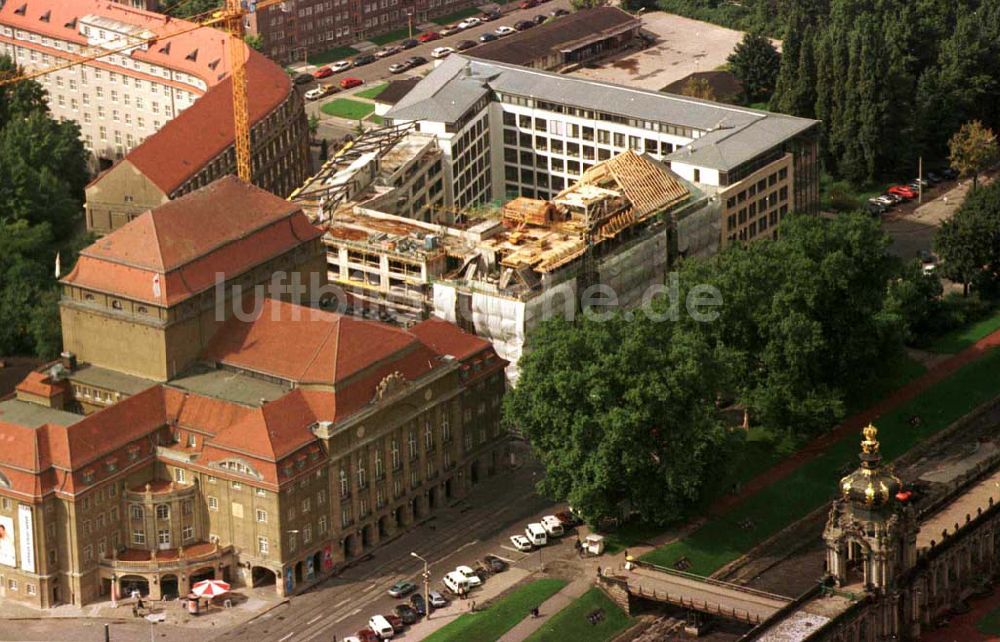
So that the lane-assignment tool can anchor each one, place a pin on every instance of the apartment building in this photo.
(544, 131)
(119, 99)
(292, 30)
(295, 440)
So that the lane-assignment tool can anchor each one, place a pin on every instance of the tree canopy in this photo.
(973, 149)
(968, 243)
(624, 413)
(756, 63)
(43, 163)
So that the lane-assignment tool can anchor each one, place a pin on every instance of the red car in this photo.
(529, 4)
(350, 82)
(902, 191)
(427, 36)
(323, 72)
(367, 635)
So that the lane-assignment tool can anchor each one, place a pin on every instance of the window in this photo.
(320, 497)
(307, 534)
(445, 430)
(30, 588)
(260, 492)
(12, 585)
(395, 454)
(345, 488)
(163, 536)
(237, 485)
(213, 503)
(262, 516)
(179, 475)
(323, 524)
(412, 445)
(697, 175)
(362, 473)
(136, 512)
(293, 542)
(188, 532)
(428, 436)
(138, 536)
(378, 465)
(345, 516)
(306, 505)
(262, 545)
(88, 553)
(162, 511)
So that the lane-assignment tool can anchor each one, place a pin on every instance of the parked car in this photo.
(489, 16)
(442, 52)
(521, 543)
(934, 178)
(462, 45)
(539, 19)
(418, 604)
(504, 30)
(366, 59)
(385, 52)
(409, 43)
(304, 79)
(556, 13)
(406, 613)
(568, 518)
(529, 4)
(341, 65)
(883, 200)
(402, 588)
(398, 67)
(318, 92)
(382, 627)
(875, 208)
(428, 36)
(322, 72)
(396, 622)
(469, 23)
(902, 190)
(450, 30)
(437, 600)
(928, 261)
(893, 198)
(949, 173)
(495, 564)
(488, 37)
(416, 61)
(350, 82)
(470, 575)
(523, 25)
(553, 527)
(367, 635)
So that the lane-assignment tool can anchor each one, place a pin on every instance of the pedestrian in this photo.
(139, 603)
(135, 611)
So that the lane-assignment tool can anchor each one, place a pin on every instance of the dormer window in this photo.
(20, 11)
(111, 465)
(45, 17)
(133, 453)
(193, 56)
(88, 476)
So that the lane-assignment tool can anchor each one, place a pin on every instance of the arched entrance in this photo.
(474, 472)
(366, 537)
(349, 546)
(399, 516)
(447, 488)
(169, 586)
(431, 498)
(383, 526)
(262, 576)
(298, 573)
(129, 583)
(206, 573)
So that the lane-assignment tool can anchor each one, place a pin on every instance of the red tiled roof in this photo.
(226, 227)
(203, 413)
(272, 431)
(448, 339)
(210, 64)
(312, 346)
(39, 383)
(186, 144)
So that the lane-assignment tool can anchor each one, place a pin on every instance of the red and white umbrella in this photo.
(210, 588)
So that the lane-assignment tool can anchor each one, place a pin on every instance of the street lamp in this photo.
(409, 21)
(427, 585)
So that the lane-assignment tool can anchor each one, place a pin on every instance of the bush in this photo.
(842, 197)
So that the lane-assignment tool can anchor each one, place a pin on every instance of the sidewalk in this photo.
(548, 608)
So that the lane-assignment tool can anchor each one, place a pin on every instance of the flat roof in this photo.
(228, 385)
(567, 33)
(90, 375)
(731, 134)
(32, 415)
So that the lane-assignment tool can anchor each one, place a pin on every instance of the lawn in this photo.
(393, 36)
(458, 16)
(372, 92)
(378, 120)
(722, 539)
(500, 617)
(961, 338)
(571, 622)
(990, 623)
(332, 55)
(347, 108)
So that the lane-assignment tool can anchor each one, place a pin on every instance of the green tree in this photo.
(587, 4)
(913, 300)
(313, 126)
(756, 62)
(698, 88)
(324, 149)
(621, 413)
(191, 8)
(972, 149)
(969, 242)
(254, 41)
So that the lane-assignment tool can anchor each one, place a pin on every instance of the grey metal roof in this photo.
(31, 415)
(734, 134)
(443, 96)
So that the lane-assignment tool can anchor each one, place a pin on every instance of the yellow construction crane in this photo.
(230, 18)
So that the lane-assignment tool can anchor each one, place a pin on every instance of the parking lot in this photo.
(683, 46)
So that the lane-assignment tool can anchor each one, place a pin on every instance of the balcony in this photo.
(144, 561)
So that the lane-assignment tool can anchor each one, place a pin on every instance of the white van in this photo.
(536, 534)
(381, 627)
(456, 583)
(552, 526)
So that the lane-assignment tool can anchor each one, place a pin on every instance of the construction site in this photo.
(499, 269)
